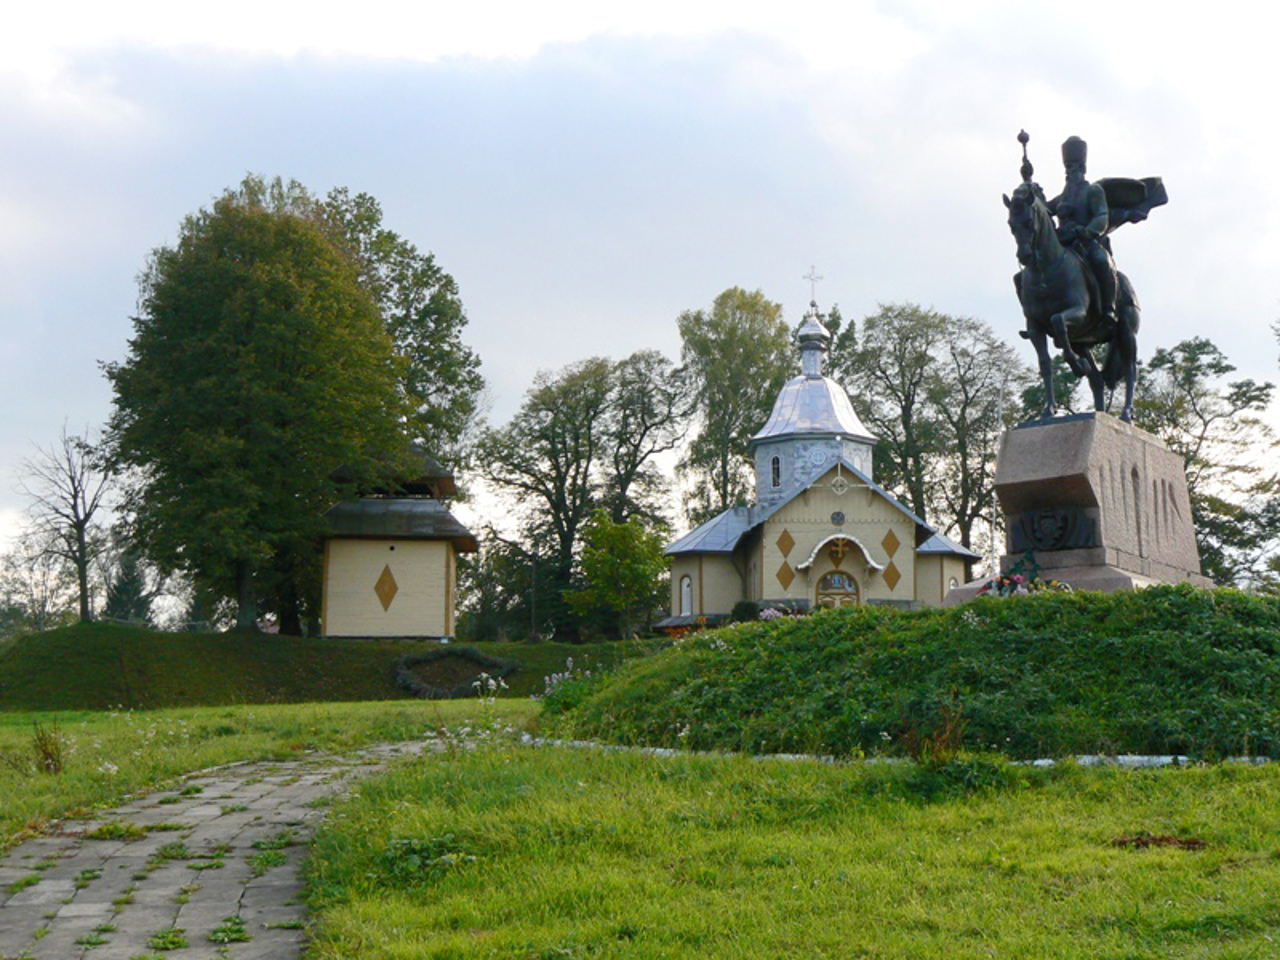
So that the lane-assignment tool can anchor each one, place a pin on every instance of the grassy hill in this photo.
(99, 666)
(1163, 670)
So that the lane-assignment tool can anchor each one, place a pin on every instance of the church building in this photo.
(390, 560)
(820, 533)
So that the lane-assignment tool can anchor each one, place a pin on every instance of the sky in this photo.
(587, 171)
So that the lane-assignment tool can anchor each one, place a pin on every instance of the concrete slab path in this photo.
(207, 869)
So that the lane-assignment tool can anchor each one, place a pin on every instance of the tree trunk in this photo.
(246, 599)
(82, 574)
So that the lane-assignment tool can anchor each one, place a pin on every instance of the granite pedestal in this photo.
(1101, 505)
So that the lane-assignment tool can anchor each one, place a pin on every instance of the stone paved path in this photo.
(217, 854)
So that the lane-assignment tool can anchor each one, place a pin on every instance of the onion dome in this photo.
(811, 403)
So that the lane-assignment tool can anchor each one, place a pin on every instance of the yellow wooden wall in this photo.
(934, 573)
(868, 519)
(423, 604)
(716, 583)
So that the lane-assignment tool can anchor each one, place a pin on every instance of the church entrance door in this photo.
(837, 589)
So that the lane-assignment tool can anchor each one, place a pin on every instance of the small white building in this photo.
(821, 532)
(390, 561)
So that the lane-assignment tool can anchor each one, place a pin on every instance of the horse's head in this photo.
(1029, 221)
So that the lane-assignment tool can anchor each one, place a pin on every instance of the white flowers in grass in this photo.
(487, 686)
(551, 681)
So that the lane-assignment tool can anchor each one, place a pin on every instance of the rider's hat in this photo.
(1074, 150)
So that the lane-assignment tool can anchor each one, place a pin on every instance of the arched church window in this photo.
(837, 589)
(686, 595)
(775, 471)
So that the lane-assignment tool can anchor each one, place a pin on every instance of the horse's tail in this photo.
(1115, 367)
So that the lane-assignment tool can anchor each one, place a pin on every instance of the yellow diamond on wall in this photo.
(785, 543)
(785, 575)
(386, 587)
(891, 543)
(891, 575)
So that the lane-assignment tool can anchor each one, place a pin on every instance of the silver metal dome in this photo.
(813, 405)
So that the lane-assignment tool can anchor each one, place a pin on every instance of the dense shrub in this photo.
(1163, 670)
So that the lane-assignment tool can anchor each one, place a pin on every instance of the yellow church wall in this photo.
(934, 573)
(424, 574)
(868, 519)
(715, 581)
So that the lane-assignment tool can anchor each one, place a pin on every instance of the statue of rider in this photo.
(1083, 222)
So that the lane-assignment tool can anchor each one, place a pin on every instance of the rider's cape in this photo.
(1130, 201)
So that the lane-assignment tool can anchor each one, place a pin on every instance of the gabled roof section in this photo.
(761, 513)
(945, 545)
(933, 542)
(398, 518)
(718, 535)
(722, 533)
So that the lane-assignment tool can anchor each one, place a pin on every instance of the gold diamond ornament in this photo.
(891, 575)
(386, 588)
(891, 543)
(785, 543)
(785, 575)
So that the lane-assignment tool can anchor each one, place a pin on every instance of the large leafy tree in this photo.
(623, 567)
(970, 390)
(424, 317)
(887, 364)
(1215, 425)
(586, 438)
(736, 356)
(258, 366)
(548, 460)
(937, 391)
(648, 408)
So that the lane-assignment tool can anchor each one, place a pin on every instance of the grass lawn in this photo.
(518, 852)
(106, 755)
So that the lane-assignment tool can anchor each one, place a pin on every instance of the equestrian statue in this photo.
(1070, 290)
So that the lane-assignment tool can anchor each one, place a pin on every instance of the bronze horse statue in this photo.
(1060, 302)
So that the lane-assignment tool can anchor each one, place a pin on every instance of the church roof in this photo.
(940, 544)
(812, 405)
(720, 534)
(398, 518)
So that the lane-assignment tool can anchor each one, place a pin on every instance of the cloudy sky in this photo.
(587, 170)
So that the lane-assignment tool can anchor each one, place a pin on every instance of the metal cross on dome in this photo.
(813, 277)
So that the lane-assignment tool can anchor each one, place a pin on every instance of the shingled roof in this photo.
(399, 519)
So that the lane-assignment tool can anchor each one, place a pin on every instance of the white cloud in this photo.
(586, 171)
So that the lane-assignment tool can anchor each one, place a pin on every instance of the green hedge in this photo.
(1164, 670)
(97, 666)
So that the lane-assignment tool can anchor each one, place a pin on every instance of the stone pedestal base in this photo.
(1100, 505)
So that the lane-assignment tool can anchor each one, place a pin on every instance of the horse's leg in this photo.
(1127, 343)
(1058, 322)
(1095, 379)
(1040, 341)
